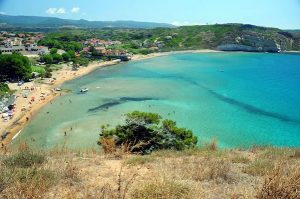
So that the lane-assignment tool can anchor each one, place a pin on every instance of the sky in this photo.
(283, 14)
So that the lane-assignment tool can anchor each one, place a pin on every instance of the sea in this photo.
(239, 99)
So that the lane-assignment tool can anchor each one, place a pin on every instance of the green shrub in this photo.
(24, 159)
(14, 66)
(4, 88)
(38, 69)
(145, 132)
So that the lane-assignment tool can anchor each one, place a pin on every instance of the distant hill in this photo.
(226, 37)
(30, 22)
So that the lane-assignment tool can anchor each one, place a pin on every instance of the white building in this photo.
(8, 43)
(8, 50)
(31, 47)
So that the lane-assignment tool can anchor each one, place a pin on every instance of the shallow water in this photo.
(241, 99)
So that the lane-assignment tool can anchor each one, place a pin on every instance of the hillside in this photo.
(31, 22)
(232, 37)
(225, 37)
(263, 173)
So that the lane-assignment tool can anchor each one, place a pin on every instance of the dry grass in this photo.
(296, 153)
(259, 167)
(163, 189)
(139, 160)
(111, 149)
(71, 173)
(195, 173)
(213, 145)
(29, 183)
(240, 159)
(202, 169)
(276, 153)
(281, 183)
(108, 145)
(24, 159)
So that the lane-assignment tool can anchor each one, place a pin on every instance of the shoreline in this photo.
(46, 89)
(46, 94)
(21, 118)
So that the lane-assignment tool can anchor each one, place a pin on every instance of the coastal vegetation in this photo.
(145, 132)
(3, 89)
(145, 41)
(199, 172)
(80, 46)
(14, 67)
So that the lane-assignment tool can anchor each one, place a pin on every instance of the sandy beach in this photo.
(43, 92)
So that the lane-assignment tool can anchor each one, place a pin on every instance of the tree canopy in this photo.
(3, 88)
(14, 67)
(146, 132)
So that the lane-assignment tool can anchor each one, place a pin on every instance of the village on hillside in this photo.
(27, 45)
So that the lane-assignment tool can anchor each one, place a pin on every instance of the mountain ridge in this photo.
(9, 21)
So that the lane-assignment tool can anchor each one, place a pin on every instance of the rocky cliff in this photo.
(258, 42)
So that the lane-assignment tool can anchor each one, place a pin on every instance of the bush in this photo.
(57, 58)
(24, 159)
(40, 70)
(47, 59)
(3, 88)
(15, 67)
(145, 132)
(66, 56)
(53, 50)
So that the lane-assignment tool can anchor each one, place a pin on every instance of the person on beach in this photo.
(27, 119)
(65, 133)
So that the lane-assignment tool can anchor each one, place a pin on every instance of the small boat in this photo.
(84, 90)
(16, 135)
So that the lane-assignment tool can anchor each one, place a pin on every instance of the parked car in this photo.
(20, 83)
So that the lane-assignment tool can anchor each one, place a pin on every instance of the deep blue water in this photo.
(241, 99)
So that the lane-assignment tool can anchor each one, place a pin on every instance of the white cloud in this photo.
(185, 23)
(75, 10)
(56, 11)
(61, 11)
(2, 13)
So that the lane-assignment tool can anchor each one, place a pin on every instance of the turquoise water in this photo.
(241, 99)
